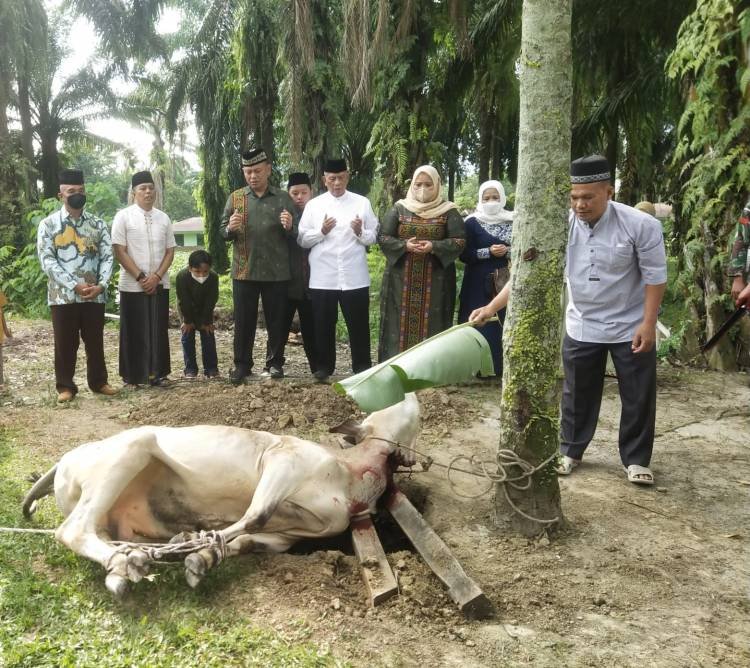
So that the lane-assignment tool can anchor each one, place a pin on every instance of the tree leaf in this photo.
(453, 356)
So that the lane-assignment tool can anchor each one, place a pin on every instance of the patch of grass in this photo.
(55, 611)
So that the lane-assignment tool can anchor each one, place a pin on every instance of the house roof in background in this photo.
(194, 224)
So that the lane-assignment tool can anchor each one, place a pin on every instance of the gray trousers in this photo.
(584, 365)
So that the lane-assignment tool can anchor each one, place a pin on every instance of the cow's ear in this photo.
(352, 430)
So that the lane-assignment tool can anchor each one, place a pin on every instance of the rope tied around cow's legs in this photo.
(170, 552)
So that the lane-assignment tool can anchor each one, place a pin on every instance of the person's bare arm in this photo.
(645, 336)
(481, 315)
(152, 280)
(743, 299)
(126, 262)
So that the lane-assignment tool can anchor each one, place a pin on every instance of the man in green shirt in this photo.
(252, 221)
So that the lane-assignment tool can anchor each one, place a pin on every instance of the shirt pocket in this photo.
(621, 256)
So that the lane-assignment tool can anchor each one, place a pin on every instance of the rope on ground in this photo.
(506, 460)
(19, 530)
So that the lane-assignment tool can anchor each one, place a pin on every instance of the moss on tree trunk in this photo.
(531, 344)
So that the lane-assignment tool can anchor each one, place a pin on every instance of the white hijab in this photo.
(434, 209)
(501, 216)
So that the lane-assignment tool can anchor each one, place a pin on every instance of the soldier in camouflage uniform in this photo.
(738, 261)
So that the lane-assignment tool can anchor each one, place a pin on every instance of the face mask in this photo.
(77, 201)
(423, 195)
(200, 279)
(491, 208)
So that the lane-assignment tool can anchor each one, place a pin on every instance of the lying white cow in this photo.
(261, 491)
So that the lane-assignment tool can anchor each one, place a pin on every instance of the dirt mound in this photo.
(283, 407)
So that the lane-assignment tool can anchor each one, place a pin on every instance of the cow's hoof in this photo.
(195, 569)
(117, 584)
(137, 565)
(184, 537)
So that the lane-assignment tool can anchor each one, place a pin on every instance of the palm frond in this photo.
(453, 356)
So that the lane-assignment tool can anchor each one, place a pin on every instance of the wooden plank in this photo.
(374, 567)
(461, 588)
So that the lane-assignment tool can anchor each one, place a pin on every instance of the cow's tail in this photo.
(42, 487)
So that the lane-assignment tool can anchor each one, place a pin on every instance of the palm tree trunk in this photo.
(27, 136)
(49, 164)
(529, 420)
(266, 128)
(485, 138)
(4, 131)
(497, 151)
(612, 152)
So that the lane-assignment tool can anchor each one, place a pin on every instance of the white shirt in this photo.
(338, 260)
(607, 269)
(146, 236)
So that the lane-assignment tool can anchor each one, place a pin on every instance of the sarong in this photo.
(144, 339)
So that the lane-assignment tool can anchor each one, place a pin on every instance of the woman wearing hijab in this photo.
(486, 256)
(421, 237)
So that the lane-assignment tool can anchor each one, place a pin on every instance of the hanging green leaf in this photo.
(453, 356)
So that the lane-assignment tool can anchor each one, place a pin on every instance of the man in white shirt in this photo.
(616, 273)
(143, 242)
(337, 227)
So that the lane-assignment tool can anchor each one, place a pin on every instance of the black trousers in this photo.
(306, 325)
(274, 297)
(355, 305)
(70, 324)
(584, 365)
(144, 336)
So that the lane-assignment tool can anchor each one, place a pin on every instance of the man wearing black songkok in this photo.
(253, 222)
(616, 273)
(75, 252)
(144, 244)
(299, 188)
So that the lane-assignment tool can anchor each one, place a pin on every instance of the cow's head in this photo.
(395, 427)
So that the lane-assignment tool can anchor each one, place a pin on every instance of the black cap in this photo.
(141, 177)
(298, 179)
(591, 169)
(71, 177)
(254, 157)
(334, 165)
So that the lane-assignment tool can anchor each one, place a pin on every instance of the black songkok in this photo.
(141, 177)
(254, 157)
(591, 169)
(334, 165)
(298, 179)
(71, 177)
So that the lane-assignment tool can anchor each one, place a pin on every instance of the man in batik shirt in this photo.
(252, 221)
(75, 252)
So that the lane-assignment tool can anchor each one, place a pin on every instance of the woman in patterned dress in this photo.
(488, 232)
(421, 237)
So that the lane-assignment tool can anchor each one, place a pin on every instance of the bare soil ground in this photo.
(641, 576)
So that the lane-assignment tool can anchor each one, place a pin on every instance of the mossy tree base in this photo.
(529, 421)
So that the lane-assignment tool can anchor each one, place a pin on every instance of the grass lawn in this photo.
(55, 611)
